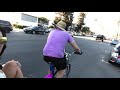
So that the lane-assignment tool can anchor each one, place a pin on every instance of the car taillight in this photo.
(118, 56)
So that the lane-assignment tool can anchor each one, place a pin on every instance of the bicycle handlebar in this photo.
(74, 52)
(78, 53)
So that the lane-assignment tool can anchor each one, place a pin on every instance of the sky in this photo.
(48, 15)
(13, 16)
(106, 21)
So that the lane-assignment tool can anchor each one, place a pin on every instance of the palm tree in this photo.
(67, 17)
(43, 20)
(80, 22)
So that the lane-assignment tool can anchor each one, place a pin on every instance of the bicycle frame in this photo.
(52, 71)
(52, 68)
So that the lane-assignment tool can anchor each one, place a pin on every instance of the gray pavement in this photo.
(27, 49)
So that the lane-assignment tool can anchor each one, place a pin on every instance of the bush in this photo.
(51, 26)
(19, 26)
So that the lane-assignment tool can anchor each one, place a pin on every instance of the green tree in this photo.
(80, 22)
(68, 18)
(51, 26)
(43, 20)
(86, 30)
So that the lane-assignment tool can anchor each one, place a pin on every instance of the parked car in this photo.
(27, 27)
(35, 30)
(6, 25)
(114, 42)
(115, 55)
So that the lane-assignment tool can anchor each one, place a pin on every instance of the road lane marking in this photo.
(109, 63)
(107, 51)
(105, 61)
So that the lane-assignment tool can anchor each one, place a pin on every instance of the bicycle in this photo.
(67, 70)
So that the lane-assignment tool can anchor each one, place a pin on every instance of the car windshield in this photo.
(34, 27)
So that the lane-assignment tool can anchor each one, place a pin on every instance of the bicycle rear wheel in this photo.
(67, 71)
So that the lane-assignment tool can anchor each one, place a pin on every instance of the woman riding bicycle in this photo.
(54, 49)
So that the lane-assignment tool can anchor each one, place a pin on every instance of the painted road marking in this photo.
(105, 61)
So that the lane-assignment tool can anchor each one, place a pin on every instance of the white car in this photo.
(114, 42)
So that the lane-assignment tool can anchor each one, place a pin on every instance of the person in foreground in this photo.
(53, 50)
(3, 45)
(11, 69)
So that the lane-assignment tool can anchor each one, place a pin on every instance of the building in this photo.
(22, 18)
(28, 20)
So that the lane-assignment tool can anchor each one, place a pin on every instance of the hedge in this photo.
(19, 26)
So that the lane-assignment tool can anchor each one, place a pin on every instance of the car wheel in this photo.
(111, 61)
(109, 56)
(25, 31)
(36, 32)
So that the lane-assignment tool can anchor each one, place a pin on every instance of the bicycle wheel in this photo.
(67, 71)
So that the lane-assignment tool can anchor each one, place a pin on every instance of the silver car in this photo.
(114, 42)
(115, 55)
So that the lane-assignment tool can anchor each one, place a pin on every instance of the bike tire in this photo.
(54, 74)
(67, 71)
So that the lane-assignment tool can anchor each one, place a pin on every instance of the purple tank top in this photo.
(56, 42)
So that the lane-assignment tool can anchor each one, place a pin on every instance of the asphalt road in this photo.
(27, 49)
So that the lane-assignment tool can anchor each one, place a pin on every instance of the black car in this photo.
(6, 25)
(35, 30)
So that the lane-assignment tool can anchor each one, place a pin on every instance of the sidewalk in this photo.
(107, 41)
(91, 38)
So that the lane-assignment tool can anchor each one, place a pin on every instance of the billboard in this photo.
(29, 18)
